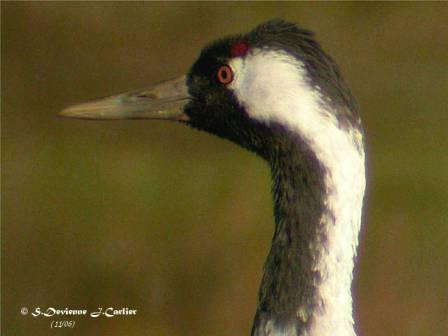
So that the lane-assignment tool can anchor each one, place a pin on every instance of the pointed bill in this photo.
(161, 101)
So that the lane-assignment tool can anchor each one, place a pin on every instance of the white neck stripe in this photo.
(273, 87)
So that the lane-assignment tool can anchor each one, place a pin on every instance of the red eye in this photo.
(225, 74)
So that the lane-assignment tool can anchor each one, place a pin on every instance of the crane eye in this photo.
(225, 74)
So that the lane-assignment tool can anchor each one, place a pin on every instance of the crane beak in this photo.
(161, 101)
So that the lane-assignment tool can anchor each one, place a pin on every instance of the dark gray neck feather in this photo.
(290, 275)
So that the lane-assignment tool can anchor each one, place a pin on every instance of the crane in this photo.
(275, 92)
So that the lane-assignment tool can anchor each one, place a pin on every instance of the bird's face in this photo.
(214, 105)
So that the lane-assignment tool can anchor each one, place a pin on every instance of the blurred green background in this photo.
(176, 223)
